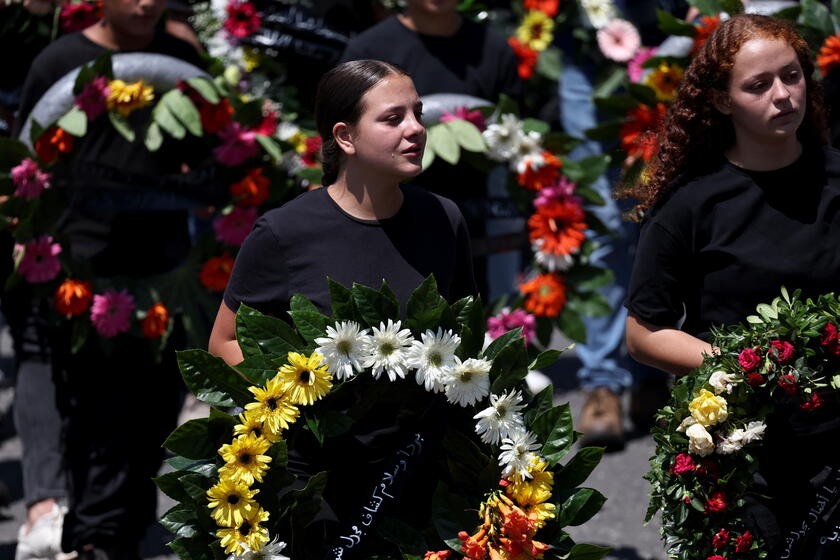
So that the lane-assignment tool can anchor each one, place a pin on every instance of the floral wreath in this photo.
(231, 468)
(244, 138)
(706, 440)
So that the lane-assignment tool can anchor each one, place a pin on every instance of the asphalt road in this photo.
(618, 525)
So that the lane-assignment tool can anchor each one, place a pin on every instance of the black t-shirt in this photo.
(294, 248)
(475, 61)
(111, 180)
(729, 240)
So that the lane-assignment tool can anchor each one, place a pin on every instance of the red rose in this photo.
(783, 350)
(721, 539)
(716, 502)
(683, 463)
(716, 557)
(788, 383)
(813, 404)
(755, 379)
(831, 340)
(749, 359)
(744, 542)
(708, 468)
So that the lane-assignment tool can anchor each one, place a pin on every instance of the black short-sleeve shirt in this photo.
(294, 248)
(727, 241)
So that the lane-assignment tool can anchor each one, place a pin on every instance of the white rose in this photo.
(754, 431)
(699, 440)
(722, 381)
(689, 421)
(728, 446)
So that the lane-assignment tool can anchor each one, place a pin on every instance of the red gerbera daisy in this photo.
(538, 177)
(638, 133)
(545, 295)
(243, 19)
(829, 55)
(560, 225)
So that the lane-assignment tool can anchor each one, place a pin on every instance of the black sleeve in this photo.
(353, 51)
(259, 278)
(463, 281)
(659, 273)
(38, 81)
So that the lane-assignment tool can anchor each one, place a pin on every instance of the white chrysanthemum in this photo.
(518, 453)
(467, 382)
(387, 350)
(551, 261)
(432, 356)
(342, 349)
(501, 418)
(598, 12)
(271, 551)
(220, 46)
(722, 381)
(507, 141)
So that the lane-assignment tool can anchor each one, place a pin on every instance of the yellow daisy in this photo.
(251, 424)
(536, 30)
(245, 458)
(231, 502)
(273, 407)
(125, 98)
(665, 80)
(533, 491)
(249, 533)
(305, 380)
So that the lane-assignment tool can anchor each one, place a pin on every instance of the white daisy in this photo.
(528, 154)
(467, 382)
(342, 348)
(433, 356)
(598, 12)
(506, 140)
(501, 418)
(518, 453)
(387, 350)
(270, 551)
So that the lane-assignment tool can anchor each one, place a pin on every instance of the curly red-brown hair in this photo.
(694, 133)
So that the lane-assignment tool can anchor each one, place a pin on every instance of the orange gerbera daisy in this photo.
(545, 295)
(73, 297)
(527, 58)
(215, 273)
(560, 225)
(705, 28)
(829, 55)
(538, 177)
(252, 190)
(638, 133)
(53, 141)
(548, 7)
(156, 321)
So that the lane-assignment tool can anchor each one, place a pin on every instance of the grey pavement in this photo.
(618, 525)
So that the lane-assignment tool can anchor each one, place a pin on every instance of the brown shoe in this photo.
(646, 399)
(601, 420)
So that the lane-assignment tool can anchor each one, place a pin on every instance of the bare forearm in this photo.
(223, 337)
(227, 350)
(668, 349)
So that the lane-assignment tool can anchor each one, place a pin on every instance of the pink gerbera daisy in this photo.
(111, 312)
(29, 180)
(238, 144)
(232, 228)
(634, 68)
(508, 320)
(619, 40)
(559, 190)
(39, 262)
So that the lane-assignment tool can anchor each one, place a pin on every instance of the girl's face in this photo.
(389, 137)
(766, 98)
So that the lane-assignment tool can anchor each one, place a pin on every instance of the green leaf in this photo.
(587, 170)
(583, 551)
(611, 83)
(554, 427)
(167, 121)
(406, 537)
(673, 26)
(257, 333)
(570, 324)
(122, 126)
(302, 303)
(341, 299)
(310, 324)
(579, 468)
(588, 277)
(618, 105)
(205, 89)
(181, 520)
(184, 110)
(425, 306)
(202, 437)
(550, 64)
(306, 503)
(510, 366)
(373, 306)
(211, 380)
(732, 7)
(74, 121)
(540, 404)
(428, 157)
(643, 93)
(767, 312)
(467, 135)
(196, 486)
(154, 138)
(578, 506)
(272, 148)
(545, 359)
(707, 7)
(591, 304)
(259, 368)
(83, 78)
(170, 484)
(507, 105)
(510, 337)
(443, 142)
(534, 125)
(191, 549)
(605, 132)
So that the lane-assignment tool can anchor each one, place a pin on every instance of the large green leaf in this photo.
(467, 135)
(259, 368)
(373, 306)
(510, 337)
(211, 380)
(425, 306)
(571, 324)
(585, 171)
(815, 14)
(192, 549)
(154, 138)
(184, 110)
(341, 299)
(577, 506)
(443, 142)
(74, 121)
(168, 122)
(555, 428)
(205, 88)
(304, 504)
(588, 277)
(257, 333)
(201, 438)
(550, 63)
(510, 366)
(578, 469)
(272, 148)
(310, 324)
(181, 520)
(122, 126)
(545, 359)
(541, 403)
(170, 484)
(673, 26)
(196, 486)
(473, 326)
(583, 551)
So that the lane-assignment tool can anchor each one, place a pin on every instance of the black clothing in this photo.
(729, 240)
(294, 248)
(475, 61)
(112, 182)
(725, 242)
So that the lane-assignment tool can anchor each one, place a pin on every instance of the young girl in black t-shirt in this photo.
(362, 226)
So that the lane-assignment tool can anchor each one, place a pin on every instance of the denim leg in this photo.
(600, 355)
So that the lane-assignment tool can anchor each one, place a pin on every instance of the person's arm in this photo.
(223, 337)
(665, 348)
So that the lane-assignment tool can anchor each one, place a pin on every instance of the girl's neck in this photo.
(104, 34)
(765, 157)
(366, 199)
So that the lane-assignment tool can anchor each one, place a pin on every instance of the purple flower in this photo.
(93, 99)
(238, 145)
(29, 180)
(508, 320)
(39, 262)
(232, 228)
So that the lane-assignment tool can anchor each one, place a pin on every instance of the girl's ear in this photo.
(343, 137)
(722, 102)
